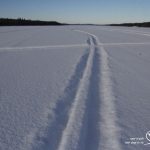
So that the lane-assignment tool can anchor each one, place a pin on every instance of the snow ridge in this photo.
(14, 49)
(108, 126)
(40, 47)
(71, 134)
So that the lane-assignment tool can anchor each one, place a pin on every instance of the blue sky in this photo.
(78, 11)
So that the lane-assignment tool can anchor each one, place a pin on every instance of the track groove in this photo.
(90, 132)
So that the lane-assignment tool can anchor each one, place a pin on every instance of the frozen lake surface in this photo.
(74, 88)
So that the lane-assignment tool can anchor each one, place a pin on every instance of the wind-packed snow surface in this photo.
(74, 88)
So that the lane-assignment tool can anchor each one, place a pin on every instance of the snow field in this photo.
(73, 88)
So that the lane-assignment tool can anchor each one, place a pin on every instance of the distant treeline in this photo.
(144, 24)
(25, 22)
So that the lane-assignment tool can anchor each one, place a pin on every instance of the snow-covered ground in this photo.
(74, 88)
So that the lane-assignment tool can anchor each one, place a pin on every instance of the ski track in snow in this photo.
(109, 130)
(85, 114)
